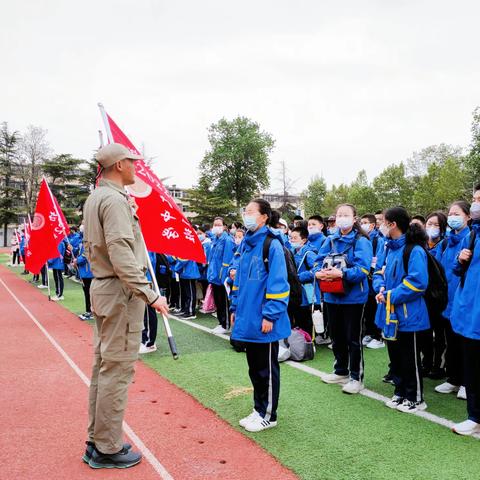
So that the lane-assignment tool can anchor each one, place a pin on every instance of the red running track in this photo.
(43, 406)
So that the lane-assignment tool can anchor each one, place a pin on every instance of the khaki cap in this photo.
(113, 153)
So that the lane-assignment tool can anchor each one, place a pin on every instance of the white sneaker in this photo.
(214, 314)
(41, 286)
(462, 393)
(144, 349)
(375, 344)
(257, 424)
(446, 388)
(218, 330)
(366, 340)
(244, 421)
(408, 406)
(334, 378)
(330, 346)
(353, 387)
(57, 299)
(394, 402)
(468, 427)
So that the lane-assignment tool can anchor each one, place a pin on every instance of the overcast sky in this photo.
(341, 85)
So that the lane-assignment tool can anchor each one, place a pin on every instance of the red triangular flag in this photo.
(49, 228)
(164, 227)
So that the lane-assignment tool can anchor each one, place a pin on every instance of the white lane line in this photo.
(318, 373)
(157, 466)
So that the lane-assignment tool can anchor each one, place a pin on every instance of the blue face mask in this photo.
(296, 245)
(201, 238)
(250, 222)
(277, 231)
(455, 222)
(332, 230)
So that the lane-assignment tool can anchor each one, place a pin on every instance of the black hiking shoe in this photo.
(91, 447)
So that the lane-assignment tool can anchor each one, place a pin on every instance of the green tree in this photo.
(10, 194)
(314, 196)
(394, 188)
(63, 173)
(362, 195)
(417, 165)
(334, 197)
(442, 185)
(236, 166)
(472, 159)
(207, 205)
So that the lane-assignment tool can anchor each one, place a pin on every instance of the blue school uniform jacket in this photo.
(203, 267)
(221, 255)
(187, 269)
(84, 270)
(406, 291)
(378, 253)
(316, 240)
(465, 316)
(57, 262)
(258, 295)
(359, 255)
(447, 259)
(304, 260)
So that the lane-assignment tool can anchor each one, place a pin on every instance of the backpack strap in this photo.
(266, 250)
(444, 245)
(406, 255)
(375, 245)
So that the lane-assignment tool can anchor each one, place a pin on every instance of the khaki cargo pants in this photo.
(117, 337)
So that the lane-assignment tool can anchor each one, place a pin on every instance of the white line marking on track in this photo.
(157, 466)
(317, 373)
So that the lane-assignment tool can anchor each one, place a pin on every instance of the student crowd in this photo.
(348, 281)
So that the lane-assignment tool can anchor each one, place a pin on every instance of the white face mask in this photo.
(81, 228)
(238, 241)
(217, 230)
(344, 223)
(475, 211)
(313, 230)
(433, 232)
(366, 227)
(384, 230)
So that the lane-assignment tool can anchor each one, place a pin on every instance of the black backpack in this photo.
(436, 294)
(295, 298)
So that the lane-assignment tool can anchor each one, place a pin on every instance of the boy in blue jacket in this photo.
(304, 254)
(86, 276)
(223, 248)
(189, 273)
(316, 236)
(56, 264)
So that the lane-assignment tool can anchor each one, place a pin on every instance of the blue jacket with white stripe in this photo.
(448, 259)
(221, 255)
(304, 261)
(407, 291)
(258, 295)
(465, 316)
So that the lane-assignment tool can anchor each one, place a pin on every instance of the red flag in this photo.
(49, 228)
(164, 227)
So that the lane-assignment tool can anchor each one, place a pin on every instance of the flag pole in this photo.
(48, 280)
(166, 324)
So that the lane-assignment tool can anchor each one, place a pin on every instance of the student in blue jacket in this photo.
(259, 313)
(458, 218)
(345, 311)
(86, 275)
(465, 318)
(189, 273)
(56, 264)
(223, 248)
(304, 254)
(433, 343)
(207, 247)
(150, 319)
(316, 228)
(401, 297)
(373, 335)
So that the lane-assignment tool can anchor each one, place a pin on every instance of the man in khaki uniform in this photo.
(115, 249)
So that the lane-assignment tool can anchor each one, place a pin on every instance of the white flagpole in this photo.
(48, 281)
(168, 330)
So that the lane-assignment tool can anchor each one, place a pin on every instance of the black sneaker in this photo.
(91, 447)
(123, 459)
(188, 316)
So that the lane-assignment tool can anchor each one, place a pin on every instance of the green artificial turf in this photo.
(322, 433)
